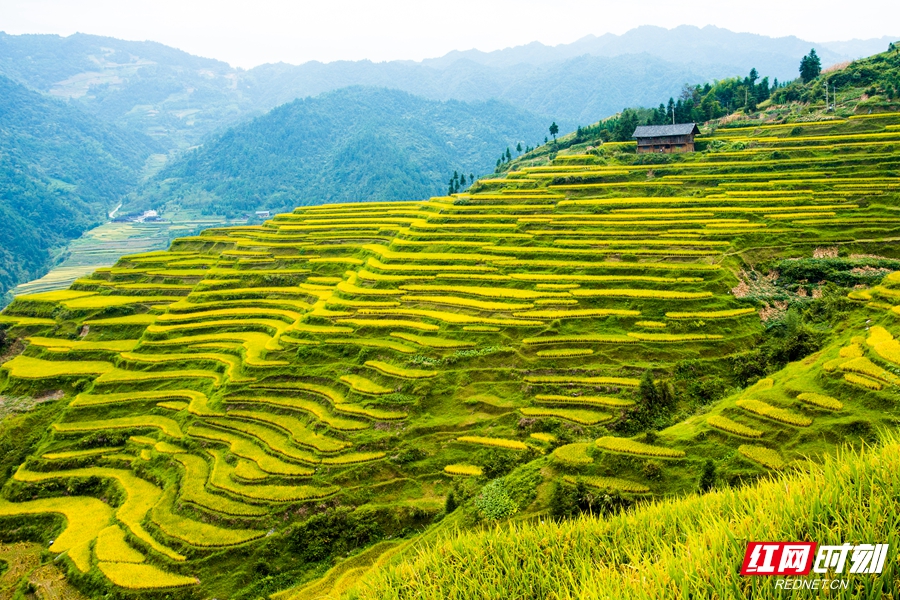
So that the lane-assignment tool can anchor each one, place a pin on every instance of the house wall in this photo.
(666, 144)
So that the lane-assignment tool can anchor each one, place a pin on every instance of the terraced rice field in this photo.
(248, 377)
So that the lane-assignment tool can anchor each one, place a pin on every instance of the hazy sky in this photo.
(247, 33)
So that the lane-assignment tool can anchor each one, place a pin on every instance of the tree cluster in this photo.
(459, 182)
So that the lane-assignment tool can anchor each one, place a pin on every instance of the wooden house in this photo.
(666, 138)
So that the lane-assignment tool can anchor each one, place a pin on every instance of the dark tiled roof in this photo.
(645, 131)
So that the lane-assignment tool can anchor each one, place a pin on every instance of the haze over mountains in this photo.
(179, 98)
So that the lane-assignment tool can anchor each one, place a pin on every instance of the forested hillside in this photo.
(350, 145)
(61, 170)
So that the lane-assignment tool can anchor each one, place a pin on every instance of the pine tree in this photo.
(450, 503)
(810, 66)
(554, 129)
(519, 147)
(462, 180)
(648, 391)
(508, 154)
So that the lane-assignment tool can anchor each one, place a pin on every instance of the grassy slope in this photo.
(690, 547)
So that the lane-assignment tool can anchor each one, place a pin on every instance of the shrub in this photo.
(494, 503)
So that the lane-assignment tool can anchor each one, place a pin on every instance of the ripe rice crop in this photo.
(865, 382)
(586, 338)
(572, 314)
(864, 366)
(17, 321)
(193, 490)
(496, 442)
(197, 533)
(221, 478)
(79, 345)
(884, 344)
(431, 342)
(352, 458)
(547, 438)
(851, 351)
(373, 343)
(391, 323)
(651, 324)
(583, 417)
(629, 446)
(490, 292)
(602, 278)
(461, 469)
(364, 386)
(727, 425)
(141, 496)
(556, 301)
(765, 456)
(369, 276)
(26, 367)
(111, 546)
(565, 352)
(299, 431)
(671, 337)
(398, 371)
(133, 576)
(644, 266)
(637, 293)
(68, 454)
(406, 268)
(822, 401)
(85, 517)
(611, 483)
(585, 400)
(165, 424)
(782, 415)
(598, 380)
(466, 302)
(372, 413)
(572, 455)
(480, 328)
(712, 314)
(120, 376)
(98, 302)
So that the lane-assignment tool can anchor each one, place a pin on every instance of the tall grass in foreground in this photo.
(686, 548)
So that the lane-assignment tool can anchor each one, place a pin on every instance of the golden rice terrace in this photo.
(373, 356)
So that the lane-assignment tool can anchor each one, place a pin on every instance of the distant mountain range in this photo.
(349, 145)
(178, 98)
